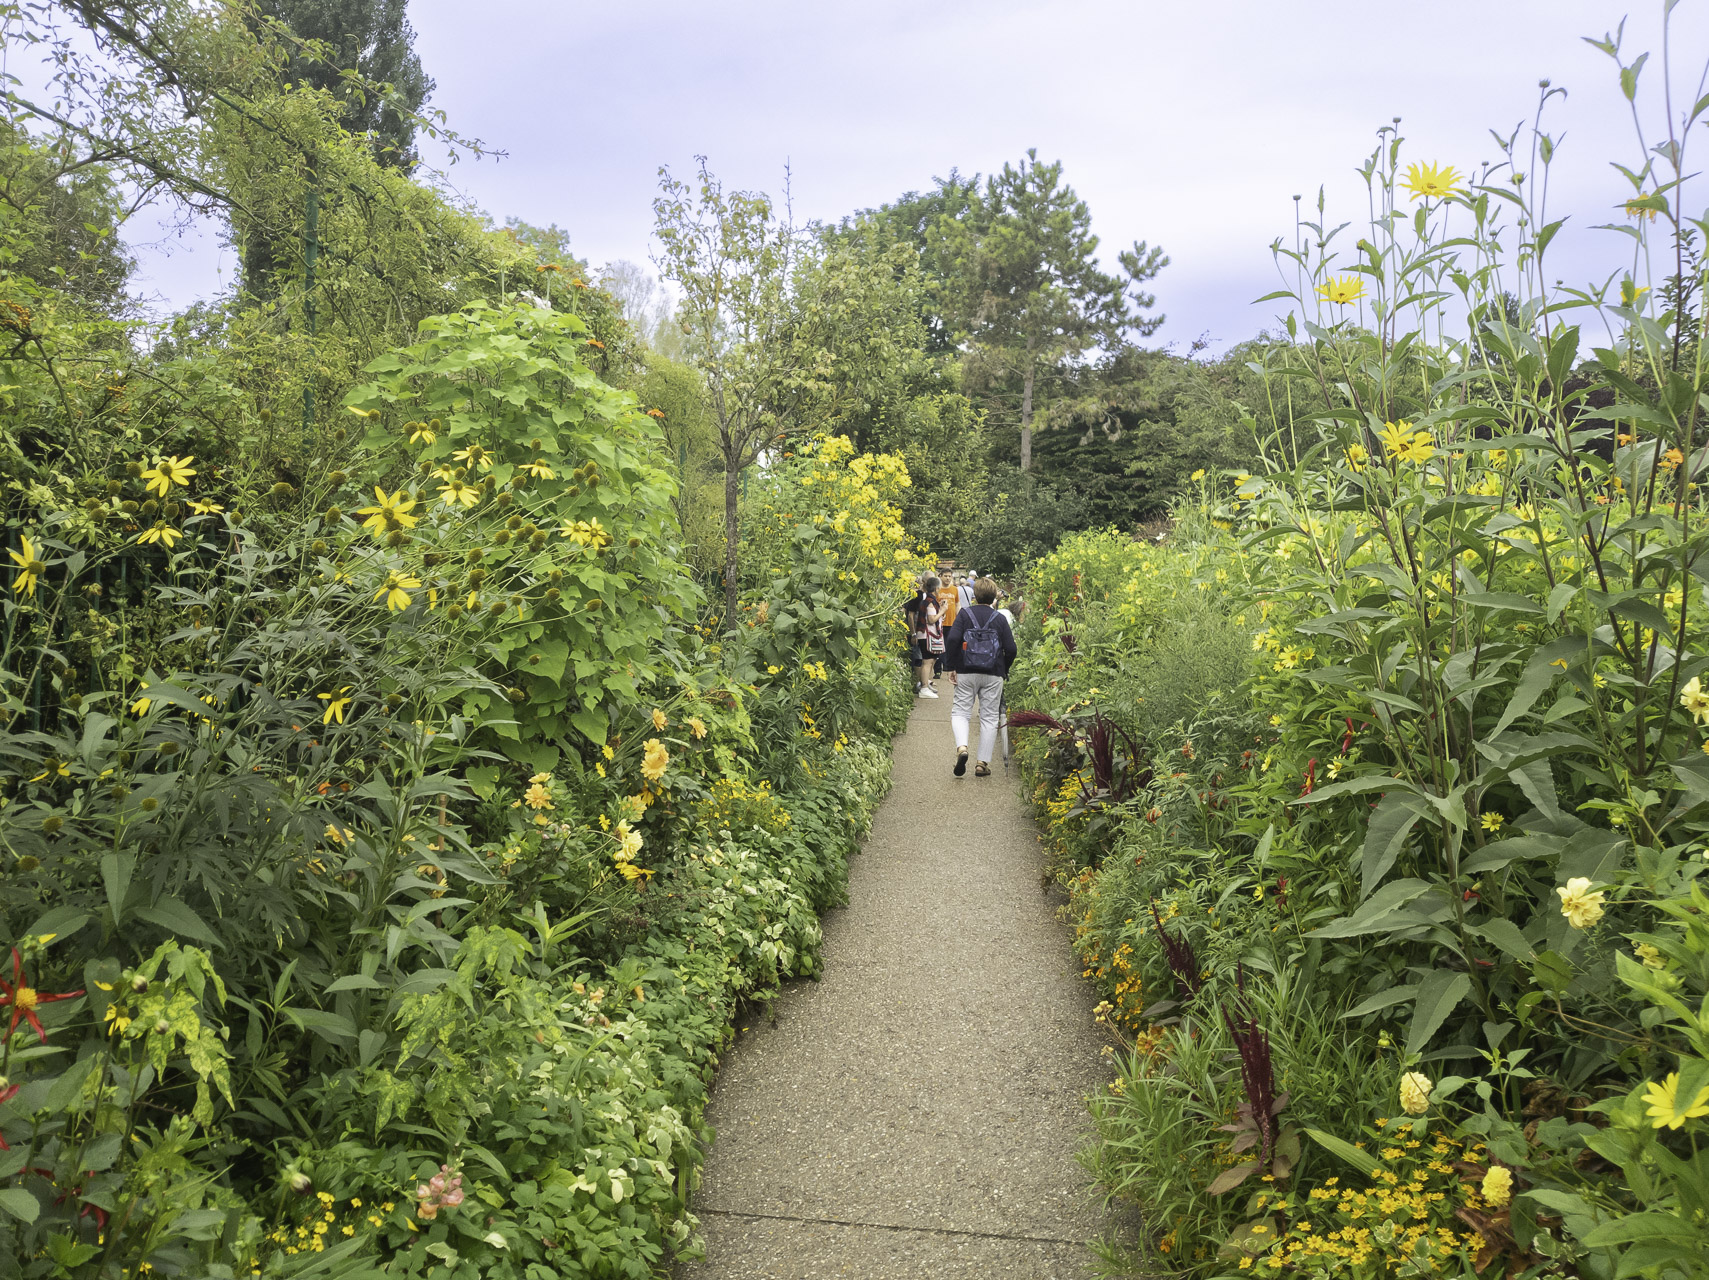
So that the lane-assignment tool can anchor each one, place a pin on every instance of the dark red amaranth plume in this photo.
(1036, 720)
(1182, 960)
(1257, 1076)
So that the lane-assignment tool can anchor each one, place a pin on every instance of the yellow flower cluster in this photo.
(327, 1218)
(1404, 1214)
(733, 805)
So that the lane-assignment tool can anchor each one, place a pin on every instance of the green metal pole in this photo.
(311, 250)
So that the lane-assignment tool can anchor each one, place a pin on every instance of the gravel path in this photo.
(916, 1112)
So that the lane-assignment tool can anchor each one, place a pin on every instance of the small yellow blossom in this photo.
(1664, 1109)
(168, 472)
(1497, 1186)
(389, 512)
(162, 533)
(335, 705)
(1428, 181)
(30, 567)
(1579, 904)
(395, 591)
(1695, 699)
(1415, 1089)
(1342, 289)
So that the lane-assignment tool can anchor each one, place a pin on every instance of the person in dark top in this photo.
(977, 653)
(922, 615)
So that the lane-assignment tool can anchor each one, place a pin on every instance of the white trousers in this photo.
(989, 690)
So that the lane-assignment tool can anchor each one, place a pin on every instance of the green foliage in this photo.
(1457, 803)
(360, 741)
(1021, 518)
(374, 39)
(551, 526)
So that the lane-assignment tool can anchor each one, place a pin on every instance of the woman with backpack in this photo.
(977, 654)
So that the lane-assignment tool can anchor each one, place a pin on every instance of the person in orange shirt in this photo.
(948, 607)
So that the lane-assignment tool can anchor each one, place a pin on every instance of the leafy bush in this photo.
(1404, 932)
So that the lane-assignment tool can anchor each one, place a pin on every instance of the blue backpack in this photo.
(981, 645)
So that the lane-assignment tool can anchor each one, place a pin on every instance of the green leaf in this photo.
(177, 919)
(1370, 917)
(116, 870)
(1383, 1000)
(1229, 1179)
(591, 724)
(334, 1028)
(1363, 1161)
(20, 1204)
(1438, 996)
(1356, 786)
(354, 982)
(1640, 1226)
(1385, 836)
(61, 922)
(1539, 674)
(1563, 352)
(483, 780)
(1506, 937)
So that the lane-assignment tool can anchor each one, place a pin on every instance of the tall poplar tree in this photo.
(374, 38)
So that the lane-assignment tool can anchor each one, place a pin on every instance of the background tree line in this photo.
(971, 327)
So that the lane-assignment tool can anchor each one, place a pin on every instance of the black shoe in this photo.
(961, 762)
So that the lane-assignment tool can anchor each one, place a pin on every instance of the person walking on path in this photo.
(922, 615)
(977, 652)
(964, 592)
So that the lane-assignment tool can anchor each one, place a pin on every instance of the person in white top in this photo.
(964, 592)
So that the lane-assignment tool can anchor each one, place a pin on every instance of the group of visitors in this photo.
(958, 627)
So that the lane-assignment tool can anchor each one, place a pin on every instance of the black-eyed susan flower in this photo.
(161, 532)
(201, 508)
(389, 512)
(539, 470)
(395, 590)
(421, 433)
(455, 493)
(30, 567)
(168, 472)
(475, 456)
(337, 703)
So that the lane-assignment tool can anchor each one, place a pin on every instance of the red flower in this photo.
(24, 998)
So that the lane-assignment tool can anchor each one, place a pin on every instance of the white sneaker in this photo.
(927, 693)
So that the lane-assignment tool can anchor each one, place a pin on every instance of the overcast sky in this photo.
(1190, 126)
